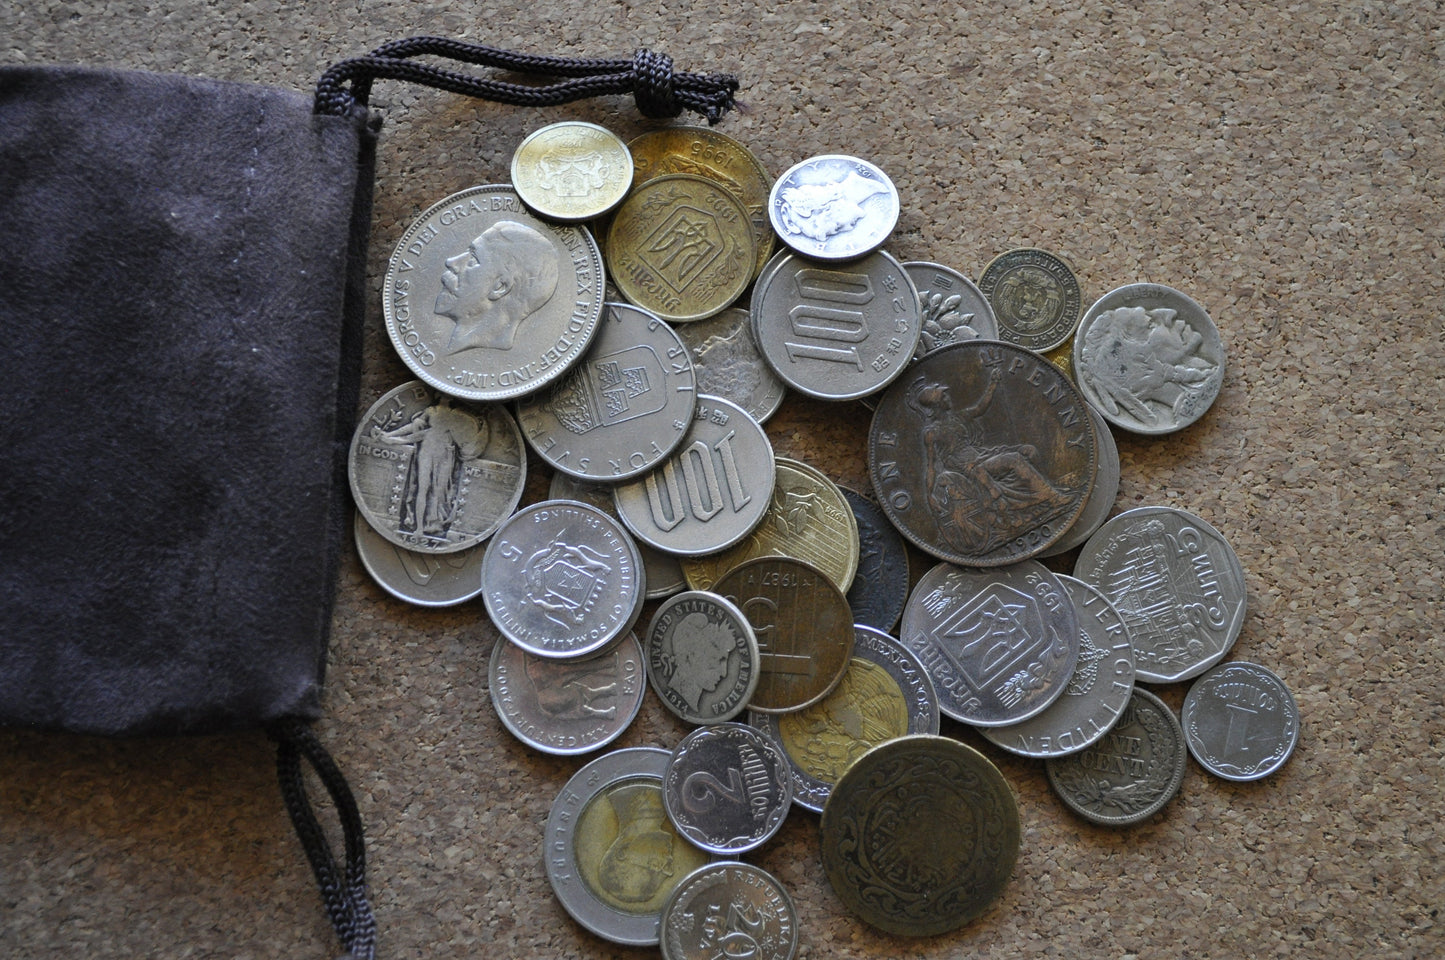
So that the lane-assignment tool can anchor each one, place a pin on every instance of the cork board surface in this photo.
(1280, 163)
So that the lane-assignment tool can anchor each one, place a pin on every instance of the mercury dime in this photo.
(1129, 774)
(727, 788)
(834, 207)
(880, 587)
(612, 856)
(425, 579)
(1101, 499)
(1176, 582)
(920, 836)
(572, 170)
(952, 307)
(432, 475)
(567, 707)
(1240, 721)
(729, 910)
(1149, 358)
(1035, 297)
(984, 454)
(664, 573)
(703, 659)
(486, 302)
(726, 361)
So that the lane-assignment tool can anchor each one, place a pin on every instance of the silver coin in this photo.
(952, 307)
(612, 856)
(836, 332)
(834, 207)
(703, 659)
(625, 405)
(726, 361)
(880, 587)
(562, 579)
(727, 788)
(425, 579)
(1095, 695)
(434, 475)
(1149, 358)
(729, 910)
(1101, 498)
(1240, 721)
(568, 707)
(709, 494)
(1035, 298)
(1131, 773)
(484, 301)
(664, 572)
(884, 694)
(999, 644)
(1176, 582)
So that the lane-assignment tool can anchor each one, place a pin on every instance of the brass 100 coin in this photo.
(920, 835)
(572, 170)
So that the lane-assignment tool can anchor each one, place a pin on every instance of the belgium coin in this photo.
(572, 171)
(953, 308)
(1240, 721)
(729, 910)
(727, 788)
(484, 301)
(425, 579)
(726, 362)
(702, 657)
(834, 207)
(1035, 298)
(920, 836)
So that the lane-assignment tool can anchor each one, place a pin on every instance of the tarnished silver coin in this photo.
(1095, 695)
(836, 332)
(568, 707)
(984, 454)
(484, 301)
(1035, 298)
(885, 694)
(1176, 582)
(729, 910)
(562, 579)
(434, 475)
(999, 644)
(612, 856)
(1240, 721)
(664, 573)
(1101, 499)
(952, 307)
(727, 788)
(726, 362)
(1131, 772)
(1149, 358)
(834, 207)
(702, 657)
(880, 587)
(624, 407)
(425, 579)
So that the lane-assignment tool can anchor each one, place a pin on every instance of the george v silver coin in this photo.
(1240, 721)
(1035, 298)
(729, 910)
(703, 659)
(664, 573)
(952, 308)
(880, 587)
(834, 207)
(425, 579)
(727, 364)
(727, 788)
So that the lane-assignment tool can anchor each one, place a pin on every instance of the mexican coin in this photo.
(1240, 721)
(572, 171)
(703, 659)
(952, 307)
(425, 579)
(726, 362)
(1035, 298)
(664, 573)
(834, 207)
(880, 587)
(727, 910)
(727, 788)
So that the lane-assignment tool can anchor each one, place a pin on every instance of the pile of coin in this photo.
(777, 591)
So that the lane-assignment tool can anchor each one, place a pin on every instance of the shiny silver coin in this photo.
(999, 644)
(727, 364)
(880, 587)
(727, 788)
(1131, 773)
(1240, 721)
(562, 579)
(568, 707)
(434, 475)
(834, 207)
(952, 307)
(729, 910)
(664, 573)
(1101, 499)
(1035, 298)
(1149, 358)
(1176, 582)
(425, 579)
(612, 856)
(702, 657)
(484, 301)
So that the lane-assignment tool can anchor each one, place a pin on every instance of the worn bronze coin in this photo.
(1035, 297)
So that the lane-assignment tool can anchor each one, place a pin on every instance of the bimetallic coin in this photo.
(568, 707)
(682, 247)
(702, 657)
(1129, 774)
(726, 362)
(432, 475)
(486, 302)
(562, 579)
(727, 788)
(1035, 298)
(612, 856)
(834, 207)
(624, 407)
(572, 171)
(803, 625)
(1149, 358)
(920, 836)
(664, 573)
(425, 579)
(1240, 721)
(999, 644)
(1101, 499)
(984, 454)
(953, 309)
(729, 910)
(885, 694)
(1176, 582)
(880, 587)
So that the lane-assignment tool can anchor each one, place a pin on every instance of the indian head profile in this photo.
(489, 290)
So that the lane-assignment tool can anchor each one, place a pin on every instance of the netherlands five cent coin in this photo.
(702, 657)
(727, 364)
(834, 207)
(726, 910)
(727, 788)
(425, 579)
(1035, 298)
(953, 308)
(572, 171)
(1240, 721)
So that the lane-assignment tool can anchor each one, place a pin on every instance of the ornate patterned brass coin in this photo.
(425, 579)
(953, 308)
(984, 454)
(727, 788)
(1240, 721)
(729, 910)
(880, 587)
(1035, 298)
(432, 475)
(726, 362)
(572, 171)
(486, 302)
(920, 836)
(703, 659)
(682, 247)
(834, 208)
(664, 573)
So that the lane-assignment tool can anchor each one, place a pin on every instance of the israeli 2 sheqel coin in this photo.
(572, 170)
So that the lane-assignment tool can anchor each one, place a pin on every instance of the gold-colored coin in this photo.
(808, 519)
(705, 153)
(867, 708)
(572, 171)
(1063, 358)
(920, 835)
(682, 247)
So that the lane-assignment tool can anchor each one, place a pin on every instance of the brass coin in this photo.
(1035, 297)
(682, 247)
(572, 171)
(920, 835)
